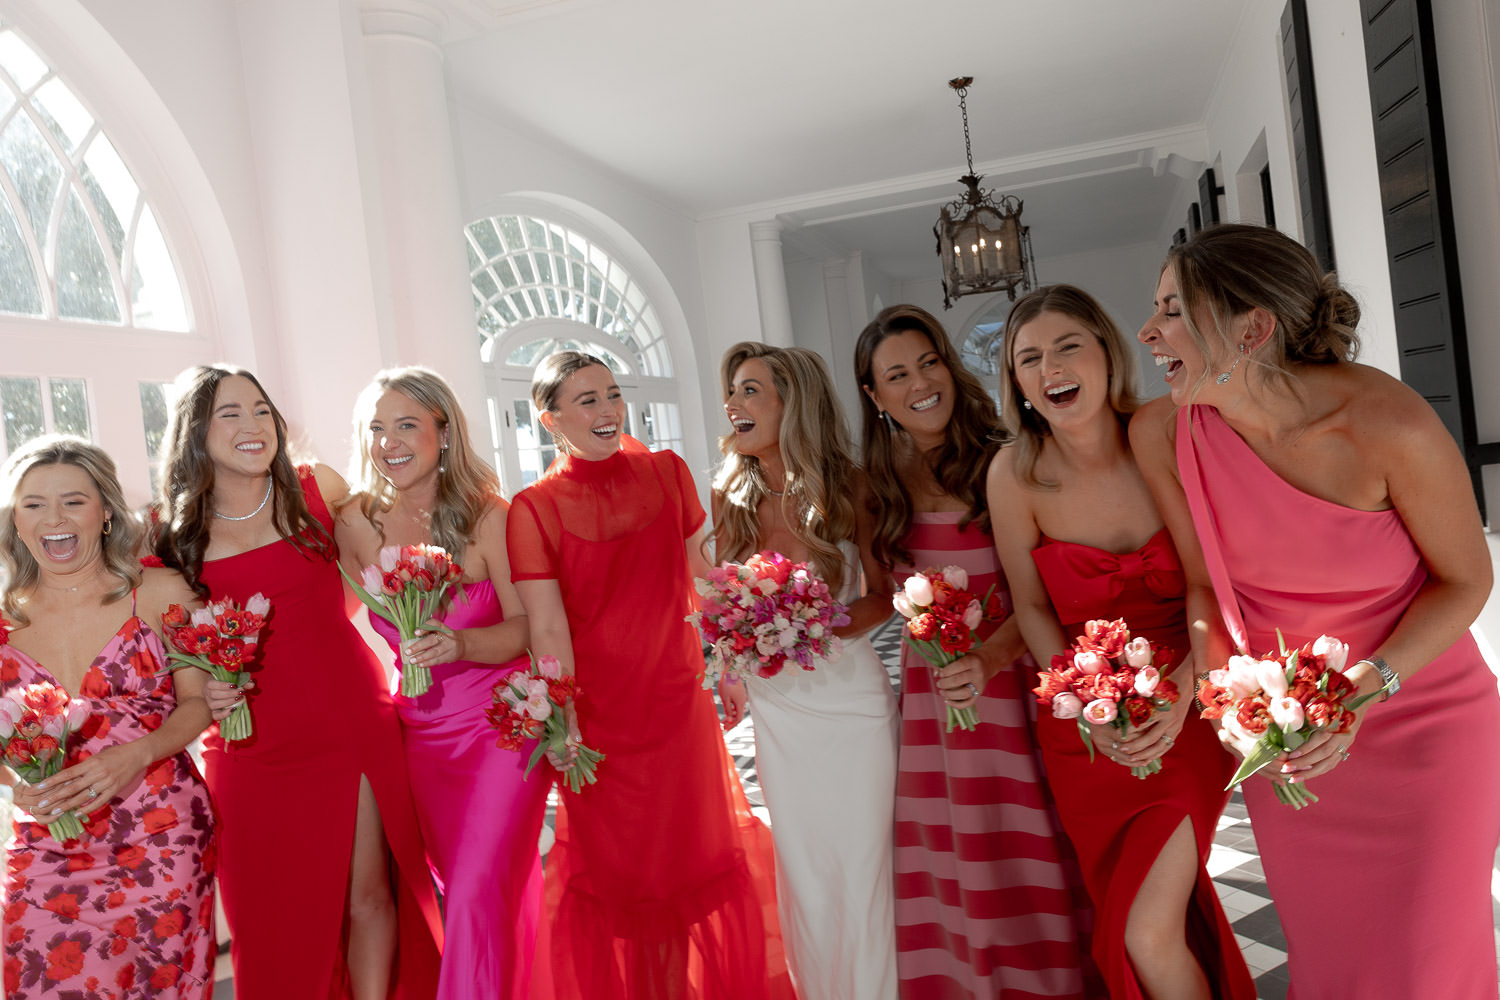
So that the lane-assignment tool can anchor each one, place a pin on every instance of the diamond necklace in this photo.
(263, 501)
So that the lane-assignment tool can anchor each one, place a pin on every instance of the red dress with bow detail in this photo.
(1118, 823)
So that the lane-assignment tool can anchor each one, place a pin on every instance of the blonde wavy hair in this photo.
(118, 548)
(814, 441)
(1028, 428)
(466, 485)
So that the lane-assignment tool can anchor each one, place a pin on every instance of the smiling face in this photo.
(60, 517)
(241, 434)
(589, 413)
(912, 384)
(1060, 367)
(1173, 345)
(754, 409)
(405, 440)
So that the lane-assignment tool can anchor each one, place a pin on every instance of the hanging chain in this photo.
(961, 84)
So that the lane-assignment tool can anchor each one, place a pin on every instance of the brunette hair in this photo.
(184, 508)
(958, 465)
(551, 372)
(814, 443)
(466, 485)
(1226, 270)
(118, 548)
(1028, 428)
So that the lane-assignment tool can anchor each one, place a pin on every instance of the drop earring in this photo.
(442, 459)
(1223, 377)
(109, 525)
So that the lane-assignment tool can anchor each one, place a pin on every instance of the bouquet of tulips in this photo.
(1108, 679)
(406, 588)
(942, 619)
(1280, 700)
(35, 724)
(528, 705)
(223, 639)
(758, 617)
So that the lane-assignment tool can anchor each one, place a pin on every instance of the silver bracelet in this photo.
(1390, 680)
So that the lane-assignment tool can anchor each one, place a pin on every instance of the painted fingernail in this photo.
(41, 803)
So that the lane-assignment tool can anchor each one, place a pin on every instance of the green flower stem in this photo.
(65, 827)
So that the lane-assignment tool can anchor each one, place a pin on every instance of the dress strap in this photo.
(132, 601)
(1190, 428)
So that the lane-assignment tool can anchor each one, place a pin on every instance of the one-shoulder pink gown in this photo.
(480, 817)
(1383, 886)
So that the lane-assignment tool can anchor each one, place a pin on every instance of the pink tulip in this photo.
(1066, 706)
(1100, 712)
(1244, 679)
(1272, 677)
(370, 579)
(903, 605)
(549, 667)
(1090, 662)
(258, 604)
(957, 577)
(918, 590)
(1336, 652)
(1138, 652)
(389, 557)
(1146, 681)
(973, 615)
(1288, 714)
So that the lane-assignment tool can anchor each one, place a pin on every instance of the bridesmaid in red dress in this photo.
(651, 874)
(1330, 499)
(126, 909)
(988, 900)
(315, 806)
(1083, 540)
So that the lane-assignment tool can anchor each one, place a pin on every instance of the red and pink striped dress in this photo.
(987, 895)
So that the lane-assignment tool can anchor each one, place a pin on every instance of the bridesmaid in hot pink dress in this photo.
(988, 899)
(419, 481)
(127, 908)
(1329, 499)
(1084, 540)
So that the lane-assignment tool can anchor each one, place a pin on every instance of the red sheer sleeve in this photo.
(693, 514)
(530, 537)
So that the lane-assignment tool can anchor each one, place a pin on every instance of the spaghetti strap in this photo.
(132, 600)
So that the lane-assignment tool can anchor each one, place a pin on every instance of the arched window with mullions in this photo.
(539, 287)
(80, 247)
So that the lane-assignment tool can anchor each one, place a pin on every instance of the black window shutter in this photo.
(1307, 143)
(1418, 209)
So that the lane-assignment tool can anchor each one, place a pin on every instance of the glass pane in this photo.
(536, 233)
(85, 289)
(474, 260)
(70, 407)
(543, 268)
(510, 228)
(484, 234)
(106, 211)
(103, 167)
(17, 59)
(34, 169)
(535, 445)
(484, 286)
(156, 295)
(506, 275)
(19, 291)
(154, 423)
(68, 119)
(529, 354)
(21, 401)
(523, 268)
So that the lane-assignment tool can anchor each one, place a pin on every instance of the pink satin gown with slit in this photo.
(1383, 885)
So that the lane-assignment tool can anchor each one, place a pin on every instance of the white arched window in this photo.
(540, 287)
(81, 253)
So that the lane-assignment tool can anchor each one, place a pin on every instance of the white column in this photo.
(770, 283)
(420, 206)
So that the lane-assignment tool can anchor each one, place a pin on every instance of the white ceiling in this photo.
(836, 114)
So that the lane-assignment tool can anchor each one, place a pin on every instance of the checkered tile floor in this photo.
(1233, 862)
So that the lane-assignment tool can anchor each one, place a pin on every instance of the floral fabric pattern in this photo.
(126, 910)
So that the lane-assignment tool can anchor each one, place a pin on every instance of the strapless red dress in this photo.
(1117, 822)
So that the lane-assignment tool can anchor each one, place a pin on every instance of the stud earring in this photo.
(1026, 403)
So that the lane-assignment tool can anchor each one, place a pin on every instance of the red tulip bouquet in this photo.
(407, 588)
(223, 639)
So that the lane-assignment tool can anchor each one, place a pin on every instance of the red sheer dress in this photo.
(659, 866)
(286, 797)
(1118, 822)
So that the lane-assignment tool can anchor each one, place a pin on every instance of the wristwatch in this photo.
(1390, 680)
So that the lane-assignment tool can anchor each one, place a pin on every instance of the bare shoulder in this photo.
(1151, 426)
(1379, 413)
(330, 484)
(160, 588)
(492, 522)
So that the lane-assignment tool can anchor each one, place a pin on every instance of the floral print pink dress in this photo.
(126, 910)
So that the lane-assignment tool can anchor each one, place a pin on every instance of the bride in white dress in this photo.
(825, 739)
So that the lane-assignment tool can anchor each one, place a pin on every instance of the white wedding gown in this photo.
(825, 747)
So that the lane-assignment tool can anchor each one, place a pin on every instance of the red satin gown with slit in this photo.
(660, 876)
(1118, 823)
(287, 796)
